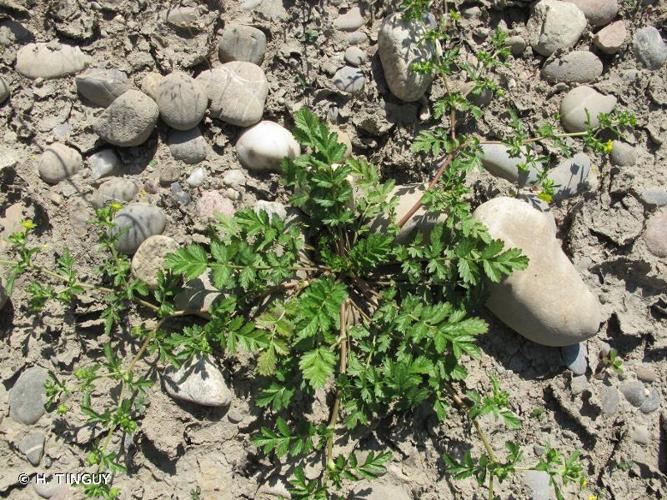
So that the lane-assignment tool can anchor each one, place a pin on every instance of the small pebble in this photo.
(188, 146)
(149, 258)
(355, 56)
(27, 397)
(611, 39)
(103, 163)
(198, 381)
(58, 162)
(114, 189)
(263, 146)
(169, 174)
(640, 434)
(652, 402)
(649, 47)
(181, 196)
(234, 178)
(32, 446)
(655, 235)
(242, 43)
(610, 400)
(349, 79)
(622, 154)
(197, 177)
(211, 203)
(578, 384)
(350, 21)
(574, 357)
(634, 391)
(102, 86)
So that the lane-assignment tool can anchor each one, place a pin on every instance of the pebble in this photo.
(58, 162)
(579, 66)
(355, 56)
(4, 90)
(357, 38)
(263, 146)
(570, 176)
(497, 160)
(654, 197)
(46, 60)
(554, 25)
(652, 402)
(102, 86)
(597, 12)
(517, 45)
(27, 397)
(237, 91)
(181, 196)
(578, 101)
(352, 20)
(103, 163)
(188, 146)
(548, 302)
(198, 381)
(610, 400)
(234, 178)
(611, 39)
(242, 43)
(649, 47)
(115, 189)
(169, 174)
(399, 45)
(135, 223)
(655, 235)
(211, 203)
(634, 391)
(181, 100)
(538, 482)
(574, 357)
(149, 258)
(640, 434)
(622, 154)
(151, 83)
(349, 79)
(129, 120)
(197, 295)
(32, 446)
(196, 177)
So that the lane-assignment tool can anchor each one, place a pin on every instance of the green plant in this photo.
(610, 361)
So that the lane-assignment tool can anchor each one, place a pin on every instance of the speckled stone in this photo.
(135, 223)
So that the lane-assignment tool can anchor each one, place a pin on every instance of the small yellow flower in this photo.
(608, 146)
(592, 497)
(115, 206)
(28, 225)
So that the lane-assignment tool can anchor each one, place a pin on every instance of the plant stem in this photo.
(541, 138)
(341, 370)
(441, 170)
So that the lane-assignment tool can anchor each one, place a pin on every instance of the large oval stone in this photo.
(181, 100)
(263, 146)
(58, 162)
(42, 60)
(399, 47)
(129, 120)
(547, 302)
(135, 223)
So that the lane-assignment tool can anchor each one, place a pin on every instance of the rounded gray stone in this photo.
(58, 162)
(135, 223)
(352, 20)
(188, 146)
(497, 160)
(652, 402)
(102, 86)
(654, 197)
(597, 12)
(623, 154)
(554, 25)
(32, 446)
(242, 43)
(43, 60)
(27, 397)
(517, 45)
(574, 357)
(634, 392)
(649, 47)
(355, 56)
(149, 258)
(129, 120)
(582, 102)
(570, 176)
(356, 38)
(349, 79)
(538, 483)
(103, 163)
(4, 90)
(237, 91)
(198, 381)
(655, 235)
(579, 66)
(399, 46)
(114, 189)
(547, 302)
(181, 100)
